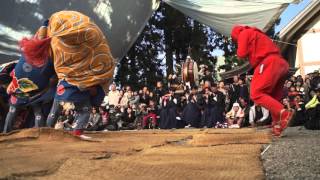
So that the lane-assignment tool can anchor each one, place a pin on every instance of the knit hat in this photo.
(236, 105)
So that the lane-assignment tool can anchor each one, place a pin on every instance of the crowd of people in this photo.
(67, 90)
(220, 104)
(211, 105)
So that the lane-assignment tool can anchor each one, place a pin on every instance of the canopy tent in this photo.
(123, 20)
(222, 15)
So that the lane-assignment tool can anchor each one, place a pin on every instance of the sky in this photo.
(291, 11)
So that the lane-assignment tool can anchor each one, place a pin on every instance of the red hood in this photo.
(236, 31)
(238, 28)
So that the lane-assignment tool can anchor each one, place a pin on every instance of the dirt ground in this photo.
(149, 154)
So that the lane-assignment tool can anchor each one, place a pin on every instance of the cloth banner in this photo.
(222, 15)
(122, 20)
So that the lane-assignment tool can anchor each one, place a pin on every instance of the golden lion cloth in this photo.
(81, 53)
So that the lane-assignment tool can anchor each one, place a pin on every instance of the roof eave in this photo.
(290, 30)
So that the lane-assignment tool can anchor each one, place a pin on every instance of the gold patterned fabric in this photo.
(81, 53)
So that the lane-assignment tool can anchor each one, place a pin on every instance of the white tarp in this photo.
(221, 15)
(123, 20)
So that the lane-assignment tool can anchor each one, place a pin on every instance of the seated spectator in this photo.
(131, 98)
(168, 113)
(144, 96)
(243, 90)
(258, 116)
(315, 80)
(207, 84)
(128, 89)
(151, 96)
(299, 107)
(120, 116)
(313, 111)
(192, 112)
(286, 103)
(150, 120)
(95, 120)
(228, 100)
(292, 94)
(299, 87)
(292, 78)
(180, 104)
(113, 95)
(136, 97)
(235, 116)
(128, 119)
(208, 116)
(234, 90)
(141, 111)
(159, 91)
(221, 88)
(219, 105)
(207, 76)
(246, 109)
(65, 121)
(104, 116)
(123, 99)
(286, 87)
(114, 118)
(306, 87)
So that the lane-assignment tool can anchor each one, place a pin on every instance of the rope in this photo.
(283, 42)
(265, 150)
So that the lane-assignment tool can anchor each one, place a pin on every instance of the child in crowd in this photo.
(235, 116)
(150, 120)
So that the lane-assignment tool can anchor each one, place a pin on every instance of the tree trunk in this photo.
(169, 51)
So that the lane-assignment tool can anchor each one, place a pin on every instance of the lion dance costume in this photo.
(270, 73)
(82, 61)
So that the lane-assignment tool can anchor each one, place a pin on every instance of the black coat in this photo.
(219, 101)
(192, 112)
(234, 93)
(168, 114)
(158, 93)
(207, 118)
(144, 98)
(313, 120)
(244, 92)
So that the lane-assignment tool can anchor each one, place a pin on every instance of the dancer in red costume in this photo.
(270, 72)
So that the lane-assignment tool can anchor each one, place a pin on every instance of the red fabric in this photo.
(285, 118)
(253, 43)
(270, 70)
(292, 95)
(276, 131)
(145, 119)
(267, 84)
(14, 85)
(77, 132)
(36, 51)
